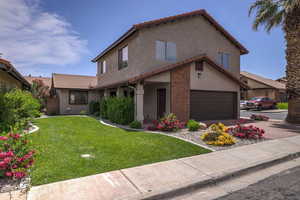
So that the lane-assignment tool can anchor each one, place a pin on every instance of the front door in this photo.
(161, 102)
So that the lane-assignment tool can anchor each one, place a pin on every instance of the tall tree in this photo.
(40, 91)
(284, 13)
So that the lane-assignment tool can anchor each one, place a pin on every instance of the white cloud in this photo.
(31, 37)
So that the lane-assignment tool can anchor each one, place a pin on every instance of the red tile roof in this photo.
(169, 67)
(69, 81)
(201, 12)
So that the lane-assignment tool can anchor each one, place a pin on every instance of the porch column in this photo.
(139, 102)
(120, 92)
(106, 94)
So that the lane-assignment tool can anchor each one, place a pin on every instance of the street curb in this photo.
(270, 120)
(195, 185)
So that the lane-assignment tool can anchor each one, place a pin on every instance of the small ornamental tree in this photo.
(15, 156)
(40, 91)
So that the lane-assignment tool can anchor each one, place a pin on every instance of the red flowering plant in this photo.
(259, 117)
(170, 123)
(247, 132)
(15, 156)
(153, 127)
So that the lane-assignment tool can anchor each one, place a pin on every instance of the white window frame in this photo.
(123, 58)
(163, 50)
(224, 59)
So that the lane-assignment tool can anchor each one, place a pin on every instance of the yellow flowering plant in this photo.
(217, 135)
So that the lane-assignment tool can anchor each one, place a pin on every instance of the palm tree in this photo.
(284, 13)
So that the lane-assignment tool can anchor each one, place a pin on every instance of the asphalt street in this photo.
(271, 115)
(282, 186)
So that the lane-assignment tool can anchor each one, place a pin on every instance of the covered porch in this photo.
(151, 96)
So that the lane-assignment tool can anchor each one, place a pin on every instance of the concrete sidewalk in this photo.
(171, 177)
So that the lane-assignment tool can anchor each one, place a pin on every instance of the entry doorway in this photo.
(161, 102)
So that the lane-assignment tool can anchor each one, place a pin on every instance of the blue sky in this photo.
(62, 36)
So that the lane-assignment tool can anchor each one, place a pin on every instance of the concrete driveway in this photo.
(272, 114)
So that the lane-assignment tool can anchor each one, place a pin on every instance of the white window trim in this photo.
(165, 53)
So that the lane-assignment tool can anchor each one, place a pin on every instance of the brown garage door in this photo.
(212, 105)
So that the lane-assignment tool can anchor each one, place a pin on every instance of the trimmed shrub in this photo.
(103, 108)
(193, 125)
(283, 106)
(94, 107)
(119, 110)
(218, 136)
(135, 124)
(18, 108)
(15, 156)
(83, 112)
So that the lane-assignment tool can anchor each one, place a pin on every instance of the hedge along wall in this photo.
(118, 110)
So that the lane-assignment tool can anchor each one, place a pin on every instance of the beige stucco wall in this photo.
(8, 81)
(113, 74)
(213, 80)
(163, 77)
(193, 36)
(65, 108)
(150, 99)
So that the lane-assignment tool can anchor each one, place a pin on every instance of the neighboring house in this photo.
(71, 94)
(260, 86)
(10, 77)
(46, 80)
(282, 80)
(187, 64)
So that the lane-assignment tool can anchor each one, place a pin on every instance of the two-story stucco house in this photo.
(186, 64)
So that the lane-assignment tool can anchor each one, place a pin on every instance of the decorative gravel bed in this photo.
(195, 137)
(8, 185)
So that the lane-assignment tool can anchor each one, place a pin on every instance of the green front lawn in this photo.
(283, 106)
(61, 141)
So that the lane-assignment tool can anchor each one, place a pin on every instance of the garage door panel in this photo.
(213, 105)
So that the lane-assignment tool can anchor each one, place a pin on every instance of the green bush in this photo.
(17, 109)
(119, 110)
(136, 125)
(103, 109)
(283, 106)
(83, 112)
(94, 107)
(193, 125)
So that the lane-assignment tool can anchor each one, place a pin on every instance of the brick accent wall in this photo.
(180, 92)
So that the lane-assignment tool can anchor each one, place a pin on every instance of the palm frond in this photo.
(269, 13)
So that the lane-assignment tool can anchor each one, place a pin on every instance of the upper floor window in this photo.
(123, 57)
(224, 59)
(102, 67)
(165, 51)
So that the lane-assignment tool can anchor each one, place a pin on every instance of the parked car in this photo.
(260, 103)
(243, 104)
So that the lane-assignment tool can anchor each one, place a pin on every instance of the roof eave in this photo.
(201, 12)
(117, 42)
